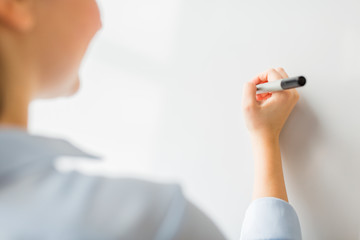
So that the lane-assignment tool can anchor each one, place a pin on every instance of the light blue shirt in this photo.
(271, 218)
(38, 202)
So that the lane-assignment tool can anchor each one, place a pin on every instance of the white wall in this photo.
(161, 99)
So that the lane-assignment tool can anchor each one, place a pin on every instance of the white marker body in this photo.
(269, 87)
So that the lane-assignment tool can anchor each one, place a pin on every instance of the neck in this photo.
(17, 83)
(15, 96)
(14, 111)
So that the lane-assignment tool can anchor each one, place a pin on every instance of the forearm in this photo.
(269, 177)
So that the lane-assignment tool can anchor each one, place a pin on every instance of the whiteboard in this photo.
(161, 97)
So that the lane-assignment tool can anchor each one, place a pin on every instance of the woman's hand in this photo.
(266, 114)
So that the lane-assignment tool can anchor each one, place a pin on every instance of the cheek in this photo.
(84, 25)
(94, 16)
(64, 40)
(88, 20)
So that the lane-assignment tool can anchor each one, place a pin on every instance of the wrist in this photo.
(265, 136)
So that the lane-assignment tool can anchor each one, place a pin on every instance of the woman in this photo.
(42, 43)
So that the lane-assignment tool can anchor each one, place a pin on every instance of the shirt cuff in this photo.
(270, 218)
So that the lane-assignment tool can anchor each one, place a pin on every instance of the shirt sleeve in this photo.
(270, 218)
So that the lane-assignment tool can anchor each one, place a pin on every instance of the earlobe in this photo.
(17, 14)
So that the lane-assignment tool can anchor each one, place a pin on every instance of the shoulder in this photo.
(271, 218)
(137, 192)
(122, 206)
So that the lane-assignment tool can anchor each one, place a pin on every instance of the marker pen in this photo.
(281, 85)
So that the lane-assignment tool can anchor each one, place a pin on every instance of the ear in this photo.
(17, 14)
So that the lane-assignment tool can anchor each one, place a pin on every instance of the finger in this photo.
(282, 72)
(257, 80)
(263, 77)
(264, 96)
(249, 94)
(295, 94)
(267, 76)
(267, 97)
(272, 75)
(261, 96)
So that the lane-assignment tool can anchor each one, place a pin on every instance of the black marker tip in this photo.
(302, 81)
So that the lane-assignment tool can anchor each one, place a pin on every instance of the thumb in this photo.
(249, 94)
